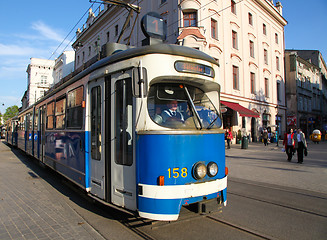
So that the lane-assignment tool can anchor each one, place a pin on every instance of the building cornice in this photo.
(101, 18)
(272, 11)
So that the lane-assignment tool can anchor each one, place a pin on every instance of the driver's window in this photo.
(170, 105)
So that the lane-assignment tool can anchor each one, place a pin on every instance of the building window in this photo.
(277, 63)
(300, 104)
(108, 36)
(233, 6)
(116, 30)
(251, 48)
(276, 38)
(252, 79)
(83, 57)
(234, 38)
(42, 93)
(44, 79)
(189, 19)
(264, 29)
(265, 56)
(243, 122)
(235, 77)
(278, 91)
(250, 19)
(214, 29)
(266, 87)
(89, 50)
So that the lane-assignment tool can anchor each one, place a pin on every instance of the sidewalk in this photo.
(34, 204)
(30, 208)
(268, 164)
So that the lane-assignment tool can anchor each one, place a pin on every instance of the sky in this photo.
(36, 28)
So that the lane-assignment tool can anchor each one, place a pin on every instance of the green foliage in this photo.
(10, 112)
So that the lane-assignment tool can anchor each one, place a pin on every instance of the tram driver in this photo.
(172, 113)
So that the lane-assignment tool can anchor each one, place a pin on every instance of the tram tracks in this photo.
(284, 204)
(156, 225)
(248, 192)
(240, 228)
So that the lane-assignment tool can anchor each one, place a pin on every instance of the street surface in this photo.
(268, 198)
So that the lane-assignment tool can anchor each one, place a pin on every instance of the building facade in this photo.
(39, 79)
(245, 37)
(305, 75)
(64, 65)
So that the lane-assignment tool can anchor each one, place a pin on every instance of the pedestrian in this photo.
(228, 137)
(265, 137)
(289, 144)
(300, 145)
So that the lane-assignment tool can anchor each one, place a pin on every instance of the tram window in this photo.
(28, 122)
(36, 118)
(50, 115)
(123, 122)
(96, 123)
(60, 113)
(21, 123)
(74, 108)
(182, 106)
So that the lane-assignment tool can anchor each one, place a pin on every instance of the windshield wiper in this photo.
(193, 106)
(211, 124)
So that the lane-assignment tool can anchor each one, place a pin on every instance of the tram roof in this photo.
(154, 49)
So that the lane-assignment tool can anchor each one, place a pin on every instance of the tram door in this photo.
(96, 129)
(123, 173)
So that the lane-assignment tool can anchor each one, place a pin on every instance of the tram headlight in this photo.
(212, 169)
(199, 171)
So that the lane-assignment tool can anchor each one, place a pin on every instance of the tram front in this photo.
(180, 146)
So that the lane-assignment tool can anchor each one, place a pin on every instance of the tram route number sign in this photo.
(153, 26)
(191, 67)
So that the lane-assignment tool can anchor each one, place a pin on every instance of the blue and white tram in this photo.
(109, 130)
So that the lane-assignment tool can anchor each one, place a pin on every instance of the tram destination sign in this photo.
(191, 67)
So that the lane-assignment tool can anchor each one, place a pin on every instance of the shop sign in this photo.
(291, 120)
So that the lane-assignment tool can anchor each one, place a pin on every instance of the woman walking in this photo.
(228, 137)
(289, 144)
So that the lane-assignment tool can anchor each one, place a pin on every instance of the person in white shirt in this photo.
(172, 114)
(300, 145)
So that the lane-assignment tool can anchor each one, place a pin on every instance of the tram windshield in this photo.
(182, 106)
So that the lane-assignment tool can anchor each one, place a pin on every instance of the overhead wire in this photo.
(71, 32)
(171, 24)
(181, 18)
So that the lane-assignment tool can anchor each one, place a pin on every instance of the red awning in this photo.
(244, 112)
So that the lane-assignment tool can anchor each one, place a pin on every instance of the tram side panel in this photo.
(64, 152)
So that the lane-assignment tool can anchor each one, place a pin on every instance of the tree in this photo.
(10, 112)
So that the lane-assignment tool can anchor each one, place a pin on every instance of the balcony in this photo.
(43, 85)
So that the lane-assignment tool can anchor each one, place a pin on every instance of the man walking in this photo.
(300, 145)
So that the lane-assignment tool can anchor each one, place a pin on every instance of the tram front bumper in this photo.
(164, 202)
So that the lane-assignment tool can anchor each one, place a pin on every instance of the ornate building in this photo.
(246, 37)
(39, 79)
(306, 95)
